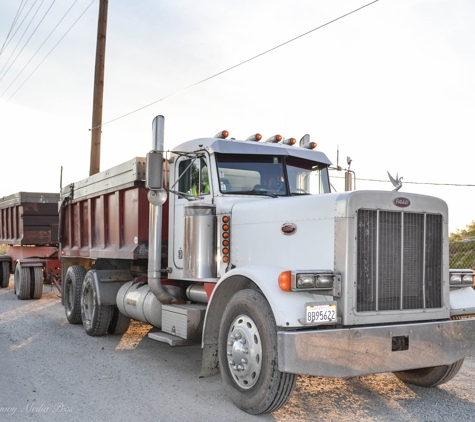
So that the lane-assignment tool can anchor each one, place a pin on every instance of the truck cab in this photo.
(222, 173)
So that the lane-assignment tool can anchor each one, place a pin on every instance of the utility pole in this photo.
(95, 162)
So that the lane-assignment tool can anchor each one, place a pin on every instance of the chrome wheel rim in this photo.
(244, 351)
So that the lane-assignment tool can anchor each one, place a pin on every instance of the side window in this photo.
(194, 179)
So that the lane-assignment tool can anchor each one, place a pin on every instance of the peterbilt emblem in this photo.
(402, 202)
(288, 228)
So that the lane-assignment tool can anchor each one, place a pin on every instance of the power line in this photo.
(18, 13)
(411, 183)
(421, 183)
(51, 33)
(66, 33)
(236, 65)
(24, 32)
(33, 33)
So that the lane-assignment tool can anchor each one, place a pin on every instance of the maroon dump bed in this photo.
(107, 214)
(29, 219)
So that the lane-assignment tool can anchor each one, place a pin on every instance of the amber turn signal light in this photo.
(285, 281)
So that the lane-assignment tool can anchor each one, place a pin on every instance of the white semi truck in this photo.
(241, 245)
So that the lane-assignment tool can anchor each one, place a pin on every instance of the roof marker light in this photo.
(255, 138)
(310, 145)
(305, 142)
(289, 141)
(274, 139)
(222, 135)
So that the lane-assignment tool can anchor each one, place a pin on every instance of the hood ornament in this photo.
(397, 182)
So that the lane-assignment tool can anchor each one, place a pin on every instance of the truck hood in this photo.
(299, 232)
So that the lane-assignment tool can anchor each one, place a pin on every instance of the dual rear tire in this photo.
(82, 305)
(28, 282)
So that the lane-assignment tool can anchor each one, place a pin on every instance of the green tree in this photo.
(465, 234)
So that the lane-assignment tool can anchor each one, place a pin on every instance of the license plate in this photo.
(320, 313)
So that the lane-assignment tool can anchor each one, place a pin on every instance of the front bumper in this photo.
(349, 352)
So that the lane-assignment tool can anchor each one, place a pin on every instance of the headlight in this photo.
(467, 279)
(461, 278)
(305, 281)
(314, 281)
(456, 279)
(324, 281)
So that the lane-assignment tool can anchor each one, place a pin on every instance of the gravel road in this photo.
(52, 371)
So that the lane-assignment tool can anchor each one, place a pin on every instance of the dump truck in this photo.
(241, 245)
(29, 226)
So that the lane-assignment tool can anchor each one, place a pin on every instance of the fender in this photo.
(30, 262)
(287, 307)
(462, 301)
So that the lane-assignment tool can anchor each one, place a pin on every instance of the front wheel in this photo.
(248, 355)
(432, 376)
(95, 318)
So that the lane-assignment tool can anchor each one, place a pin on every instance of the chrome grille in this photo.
(399, 261)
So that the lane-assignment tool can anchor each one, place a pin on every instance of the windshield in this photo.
(270, 175)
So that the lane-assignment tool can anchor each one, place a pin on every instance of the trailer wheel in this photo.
(72, 293)
(4, 274)
(15, 280)
(22, 282)
(95, 318)
(36, 277)
(248, 355)
(119, 323)
(432, 376)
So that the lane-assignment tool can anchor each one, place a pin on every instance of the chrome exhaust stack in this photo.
(157, 196)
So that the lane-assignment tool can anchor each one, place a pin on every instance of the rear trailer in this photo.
(29, 224)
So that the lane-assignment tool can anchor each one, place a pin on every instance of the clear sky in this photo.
(392, 86)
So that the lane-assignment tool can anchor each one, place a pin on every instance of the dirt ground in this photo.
(52, 371)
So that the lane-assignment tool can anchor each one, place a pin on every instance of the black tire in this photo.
(22, 282)
(4, 274)
(119, 322)
(37, 280)
(248, 355)
(15, 280)
(432, 376)
(95, 318)
(72, 291)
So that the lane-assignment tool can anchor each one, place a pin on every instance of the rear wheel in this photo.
(4, 274)
(95, 318)
(72, 293)
(22, 282)
(432, 376)
(119, 322)
(37, 280)
(248, 355)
